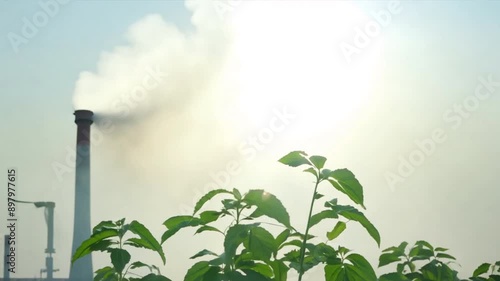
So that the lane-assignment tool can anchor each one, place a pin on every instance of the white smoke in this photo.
(174, 106)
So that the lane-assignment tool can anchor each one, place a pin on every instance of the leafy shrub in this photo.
(435, 268)
(254, 253)
(109, 237)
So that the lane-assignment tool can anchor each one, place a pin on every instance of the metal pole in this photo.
(50, 240)
(49, 262)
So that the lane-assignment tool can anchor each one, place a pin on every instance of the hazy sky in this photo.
(404, 94)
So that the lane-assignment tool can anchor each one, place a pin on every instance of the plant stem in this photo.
(238, 213)
(303, 249)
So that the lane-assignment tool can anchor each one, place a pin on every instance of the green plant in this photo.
(257, 260)
(252, 252)
(480, 272)
(109, 236)
(340, 264)
(262, 255)
(436, 266)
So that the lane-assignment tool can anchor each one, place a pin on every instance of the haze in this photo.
(194, 95)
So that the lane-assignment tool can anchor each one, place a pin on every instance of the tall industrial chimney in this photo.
(81, 270)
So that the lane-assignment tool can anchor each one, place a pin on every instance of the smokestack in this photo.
(81, 270)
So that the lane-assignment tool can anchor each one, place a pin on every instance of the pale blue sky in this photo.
(433, 53)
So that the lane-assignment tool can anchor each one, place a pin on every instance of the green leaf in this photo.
(394, 277)
(326, 214)
(318, 161)
(146, 240)
(411, 265)
(419, 253)
(436, 270)
(213, 274)
(236, 194)
(86, 247)
(402, 247)
(360, 269)
(388, 258)
(297, 243)
(230, 204)
(139, 264)
(318, 196)
(174, 224)
(325, 173)
(155, 268)
(280, 270)
(120, 222)
(445, 256)
(203, 253)
(197, 271)
(483, 268)
(281, 238)
(295, 159)
(104, 225)
(119, 259)
(256, 214)
(235, 235)
(414, 251)
(207, 228)
(154, 277)
(209, 216)
(250, 275)
(400, 267)
(218, 261)
(390, 249)
(343, 250)
(103, 245)
(439, 249)
(345, 182)
(253, 275)
(337, 230)
(312, 171)
(351, 213)
(426, 244)
(325, 254)
(293, 255)
(261, 268)
(123, 229)
(415, 276)
(331, 203)
(335, 273)
(301, 236)
(261, 243)
(207, 197)
(268, 205)
(104, 273)
(177, 221)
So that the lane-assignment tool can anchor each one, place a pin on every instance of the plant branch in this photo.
(303, 248)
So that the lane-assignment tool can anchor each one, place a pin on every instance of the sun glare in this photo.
(287, 54)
